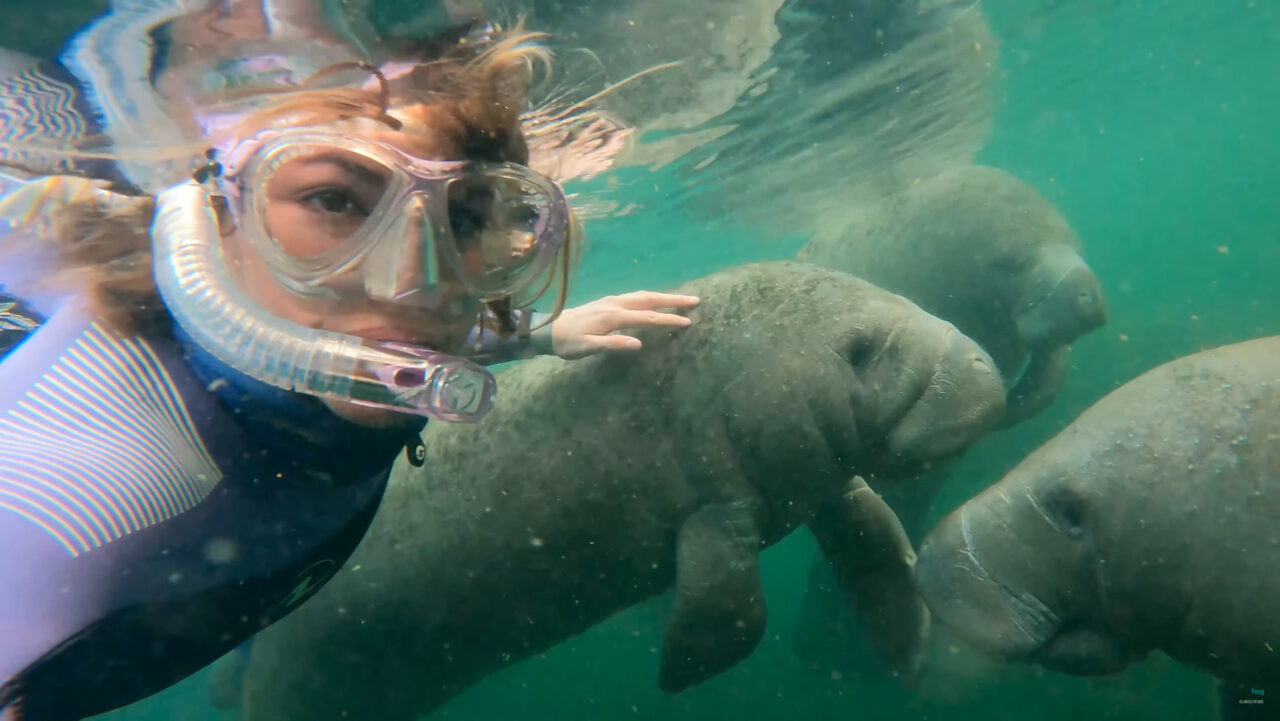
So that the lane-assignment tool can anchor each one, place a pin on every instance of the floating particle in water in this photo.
(221, 550)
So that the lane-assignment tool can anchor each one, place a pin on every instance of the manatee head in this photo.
(1011, 263)
(1030, 260)
(1019, 572)
(927, 392)
(920, 390)
(978, 247)
(1059, 299)
(804, 364)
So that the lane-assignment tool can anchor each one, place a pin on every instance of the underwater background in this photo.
(1151, 125)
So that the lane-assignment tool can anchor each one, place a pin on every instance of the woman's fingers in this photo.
(596, 327)
(649, 300)
(619, 319)
(655, 318)
(614, 343)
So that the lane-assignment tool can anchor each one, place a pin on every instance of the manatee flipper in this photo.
(827, 636)
(872, 558)
(718, 615)
(1037, 387)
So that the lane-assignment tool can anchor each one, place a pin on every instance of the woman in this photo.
(203, 391)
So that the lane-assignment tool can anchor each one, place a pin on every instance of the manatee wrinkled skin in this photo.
(597, 484)
(979, 248)
(983, 250)
(1151, 522)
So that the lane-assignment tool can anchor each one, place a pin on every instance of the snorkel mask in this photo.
(427, 234)
(390, 226)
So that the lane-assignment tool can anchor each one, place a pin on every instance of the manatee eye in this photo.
(1066, 510)
(860, 350)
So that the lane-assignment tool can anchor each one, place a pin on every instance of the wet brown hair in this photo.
(470, 91)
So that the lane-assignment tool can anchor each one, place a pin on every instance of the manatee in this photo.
(595, 485)
(1152, 522)
(979, 248)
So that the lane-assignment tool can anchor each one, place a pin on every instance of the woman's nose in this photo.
(421, 276)
(418, 264)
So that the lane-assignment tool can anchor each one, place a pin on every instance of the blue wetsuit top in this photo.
(156, 507)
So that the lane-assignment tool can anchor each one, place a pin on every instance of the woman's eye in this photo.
(334, 201)
(467, 218)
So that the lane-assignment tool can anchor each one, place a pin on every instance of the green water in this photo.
(1152, 126)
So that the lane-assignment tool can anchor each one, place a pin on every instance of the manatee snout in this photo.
(1073, 306)
(965, 594)
(1002, 574)
(960, 401)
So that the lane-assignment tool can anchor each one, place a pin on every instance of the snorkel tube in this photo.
(196, 286)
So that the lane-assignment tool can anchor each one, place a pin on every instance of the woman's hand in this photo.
(592, 328)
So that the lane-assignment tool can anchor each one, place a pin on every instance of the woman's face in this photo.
(314, 204)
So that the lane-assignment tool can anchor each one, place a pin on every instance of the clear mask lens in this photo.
(317, 201)
(498, 224)
(362, 218)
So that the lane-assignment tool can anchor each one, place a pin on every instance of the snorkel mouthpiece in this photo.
(448, 388)
(203, 298)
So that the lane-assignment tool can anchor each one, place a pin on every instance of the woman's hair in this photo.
(471, 90)
(105, 249)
